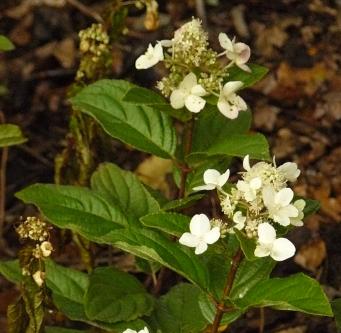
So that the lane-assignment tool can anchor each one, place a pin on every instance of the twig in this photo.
(201, 12)
(3, 167)
(85, 10)
(227, 289)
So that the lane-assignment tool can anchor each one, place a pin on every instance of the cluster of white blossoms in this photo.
(196, 70)
(255, 205)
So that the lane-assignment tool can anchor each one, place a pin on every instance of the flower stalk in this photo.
(237, 258)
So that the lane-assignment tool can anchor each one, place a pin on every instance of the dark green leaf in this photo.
(248, 245)
(179, 312)
(141, 126)
(53, 329)
(5, 44)
(115, 296)
(10, 135)
(296, 293)
(75, 208)
(124, 188)
(336, 305)
(249, 79)
(171, 223)
(182, 203)
(11, 270)
(311, 207)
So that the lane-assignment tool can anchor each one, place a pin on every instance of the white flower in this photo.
(152, 56)
(297, 221)
(229, 103)
(145, 330)
(213, 179)
(39, 278)
(201, 234)
(289, 171)
(246, 163)
(278, 249)
(46, 248)
(239, 53)
(250, 188)
(278, 204)
(189, 94)
(239, 219)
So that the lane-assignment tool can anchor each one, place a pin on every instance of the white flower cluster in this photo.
(259, 201)
(195, 71)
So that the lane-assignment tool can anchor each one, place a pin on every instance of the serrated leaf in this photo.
(6, 44)
(75, 208)
(295, 293)
(171, 223)
(10, 269)
(182, 203)
(115, 296)
(124, 188)
(249, 79)
(178, 311)
(10, 135)
(151, 245)
(141, 126)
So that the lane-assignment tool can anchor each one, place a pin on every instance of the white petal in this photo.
(211, 176)
(238, 217)
(238, 102)
(223, 178)
(228, 110)
(129, 331)
(282, 249)
(225, 42)
(284, 196)
(299, 204)
(198, 90)
(256, 183)
(242, 186)
(201, 248)
(177, 98)
(144, 62)
(246, 163)
(158, 51)
(207, 187)
(290, 171)
(189, 240)
(268, 194)
(244, 67)
(166, 42)
(189, 81)
(194, 103)
(266, 233)
(231, 87)
(243, 52)
(145, 330)
(262, 251)
(212, 236)
(199, 225)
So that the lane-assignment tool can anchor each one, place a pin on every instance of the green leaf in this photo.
(311, 207)
(11, 270)
(54, 329)
(10, 135)
(124, 188)
(6, 44)
(141, 126)
(143, 96)
(75, 208)
(295, 293)
(17, 318)
(247, 245)
(249, 79)
(209, 310)
(151, 245)
(115, 296)
(212, 127)
(250, 273)
(171, 223)
(336, 305)
(182, 203)
(178, 311)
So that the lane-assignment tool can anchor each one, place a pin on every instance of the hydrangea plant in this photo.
(225, 256)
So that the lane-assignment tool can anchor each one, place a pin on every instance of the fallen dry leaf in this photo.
(153, 171)
(311, 255)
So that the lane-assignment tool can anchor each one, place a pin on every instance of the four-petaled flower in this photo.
(213, 179)
(278, 204)
(229, 103)
(239, 53)
(278, 249)
(200, 234)
(151, 57)
(145, 330)
(189, 94)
